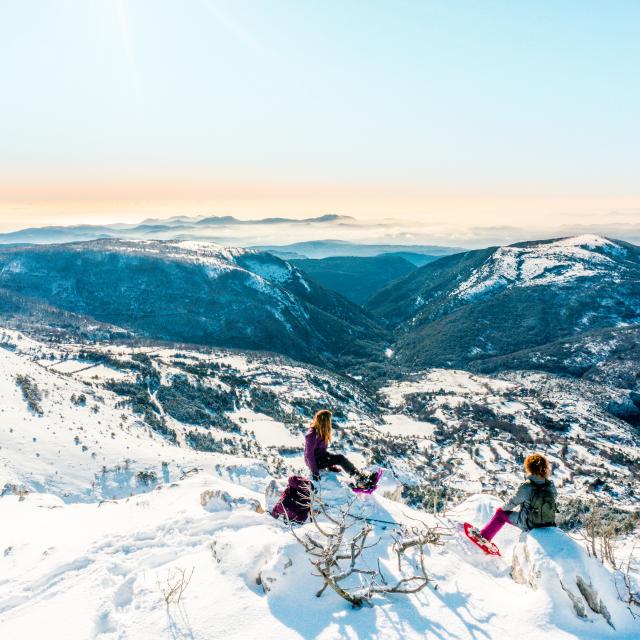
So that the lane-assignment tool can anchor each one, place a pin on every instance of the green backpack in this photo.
(542, 510)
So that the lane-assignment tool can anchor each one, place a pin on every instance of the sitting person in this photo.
(316, 455)
(536, 498)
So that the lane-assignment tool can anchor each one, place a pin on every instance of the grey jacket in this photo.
(523, 499)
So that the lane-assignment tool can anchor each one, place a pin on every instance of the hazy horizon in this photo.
(448, 118)
(357, 230)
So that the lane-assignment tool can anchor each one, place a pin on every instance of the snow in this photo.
(551, 561)
(400, 425)
(278, 272)
(586, 240)
(269, 432)
(452, 380)
(72, 572)
(555, 262)
(87, 553)
(31, 446)
(69, 366)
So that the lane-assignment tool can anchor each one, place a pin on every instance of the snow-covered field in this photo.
(80, 571)
(100, 513)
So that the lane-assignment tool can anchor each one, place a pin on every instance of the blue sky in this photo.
(392, 108)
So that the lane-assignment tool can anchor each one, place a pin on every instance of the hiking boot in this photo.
(364, 480)
(475, 533)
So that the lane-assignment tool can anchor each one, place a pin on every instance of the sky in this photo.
(451, 114)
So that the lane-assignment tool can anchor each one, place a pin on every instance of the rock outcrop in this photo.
(550, 560)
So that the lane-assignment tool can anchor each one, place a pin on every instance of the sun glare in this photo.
(127, 43)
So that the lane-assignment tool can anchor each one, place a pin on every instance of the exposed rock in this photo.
(550, 560)
(273, 571)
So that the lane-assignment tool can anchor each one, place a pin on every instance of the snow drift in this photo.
(550, 560)
(80, 571)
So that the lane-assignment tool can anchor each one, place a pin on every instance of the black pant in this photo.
(327, 459)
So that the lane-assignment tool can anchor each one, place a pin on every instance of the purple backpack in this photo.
(295, 500)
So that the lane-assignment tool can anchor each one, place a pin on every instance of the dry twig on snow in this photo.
(335, 547)
(176, 584)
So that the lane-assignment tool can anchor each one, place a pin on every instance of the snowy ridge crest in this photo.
(552, 263)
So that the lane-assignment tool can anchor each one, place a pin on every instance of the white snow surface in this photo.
(546, 263)
(452, 380)
(402, 425)
(88, 551)
(74, 572)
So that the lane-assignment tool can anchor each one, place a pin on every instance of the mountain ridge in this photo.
(194, 292)
(491, 302)
(164, 229)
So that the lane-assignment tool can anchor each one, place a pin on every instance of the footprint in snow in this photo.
(123, 596)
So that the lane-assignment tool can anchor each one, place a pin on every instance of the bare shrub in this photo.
(335, 546)
(600, 531)
(175, 585)
(630, 593)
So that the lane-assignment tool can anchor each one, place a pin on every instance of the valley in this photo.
(169, 385)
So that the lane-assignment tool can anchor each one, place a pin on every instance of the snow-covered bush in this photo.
(31, 393)
(146, 477)
(79, 400)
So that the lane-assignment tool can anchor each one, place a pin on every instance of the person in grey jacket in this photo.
(536, 499)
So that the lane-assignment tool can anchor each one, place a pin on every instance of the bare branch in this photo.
(335, 545)
(177, 581)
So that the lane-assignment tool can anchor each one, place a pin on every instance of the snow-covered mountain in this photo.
(466, 308)
(136, 466)
(122, 468)
(109, 408)
(185, 291)
(547, 263)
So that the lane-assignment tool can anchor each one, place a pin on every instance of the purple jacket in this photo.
(314, 445)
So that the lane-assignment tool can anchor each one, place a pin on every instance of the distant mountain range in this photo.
(177, 227)
(569, 306)
(188, 292)
(220, 229)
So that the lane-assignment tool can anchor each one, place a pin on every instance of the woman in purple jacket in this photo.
(316, 455)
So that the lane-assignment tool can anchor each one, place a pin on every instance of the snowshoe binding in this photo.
(366, 482)
(482, 543)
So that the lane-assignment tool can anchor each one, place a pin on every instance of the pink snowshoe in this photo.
(367, 483)
(486, 545)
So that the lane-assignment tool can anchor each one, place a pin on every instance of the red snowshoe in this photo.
(486, 545)
(367, 483)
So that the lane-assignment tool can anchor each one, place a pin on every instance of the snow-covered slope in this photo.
(184, 291)
(483, 427)
(550, 263)
(74, 572)
(114, 412)
(493, 303)
(121, 468)
(94, 425)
